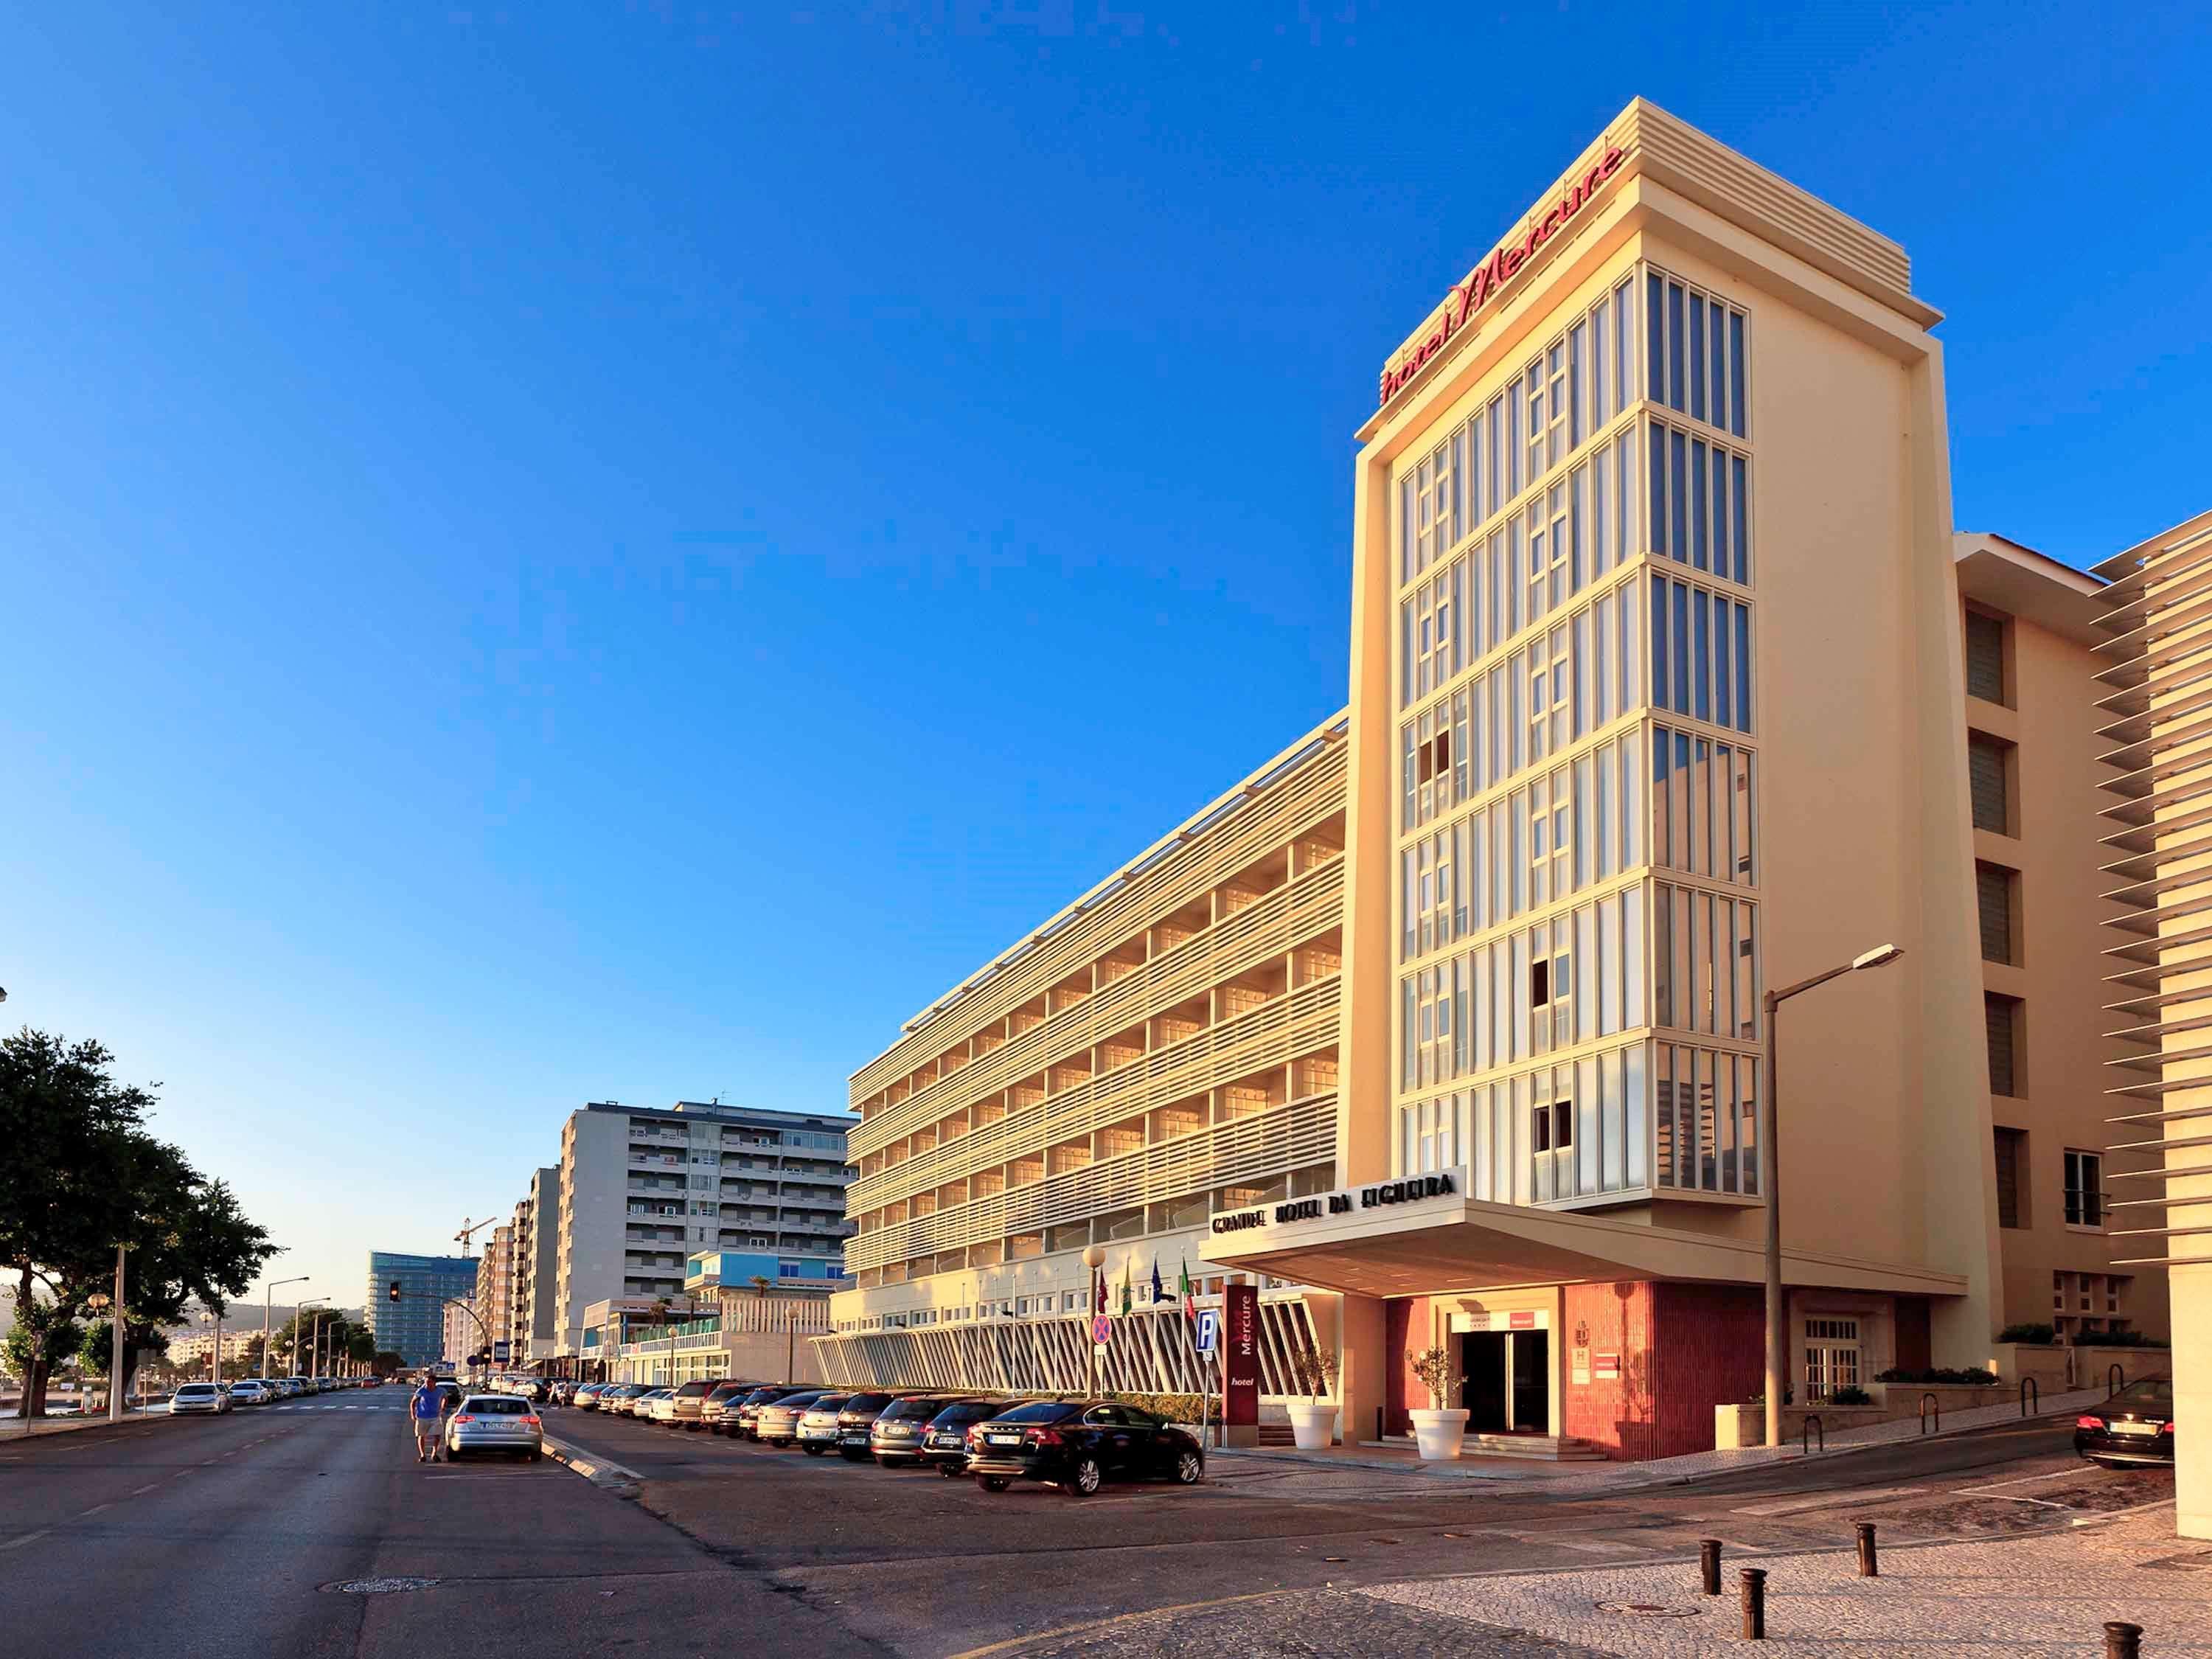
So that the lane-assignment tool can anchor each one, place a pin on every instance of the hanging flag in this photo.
(1128, 1289)
(1159, 1291)
(1098, 1292)
(1182, 1289)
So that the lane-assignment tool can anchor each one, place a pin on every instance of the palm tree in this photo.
(761, 1284)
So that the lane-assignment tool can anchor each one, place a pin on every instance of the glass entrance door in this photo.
(1529, 1366)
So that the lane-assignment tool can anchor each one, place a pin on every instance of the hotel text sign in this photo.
(1493, 273)
(1349, 1201)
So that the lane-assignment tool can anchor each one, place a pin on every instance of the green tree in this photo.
(65, 1124)
(383, 1362)
(294, 1342)
(38, 1346)
(79, 1175)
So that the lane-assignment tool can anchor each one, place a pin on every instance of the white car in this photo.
(252, 1392)
(660, 1407)
(495, 1422)
(193, 1398)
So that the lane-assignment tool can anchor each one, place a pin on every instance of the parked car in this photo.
(777, 1423)
(192, 1399)
(615, 1398)
(683, 1405)
(586, 1396)
(945, 1444)
(640, 1405)
(894, 1437)
(1078, 1445)
(2135, 1427)
(252, 1392)
(818, 1424)
(660, 1406)
(495, 1422)
(853, 1420)
(741, 1421)
(720, 1405)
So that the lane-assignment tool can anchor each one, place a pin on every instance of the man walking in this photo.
(424, 1407)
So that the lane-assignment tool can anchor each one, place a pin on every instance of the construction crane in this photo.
(466, 1237)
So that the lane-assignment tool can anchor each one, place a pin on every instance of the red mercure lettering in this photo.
(1498, 269)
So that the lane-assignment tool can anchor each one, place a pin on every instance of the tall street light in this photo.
(301, 1279)
(299, 1313)
(1770, 1180)
(1093, 1258)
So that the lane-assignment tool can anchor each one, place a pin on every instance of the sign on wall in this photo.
(1240, 1369)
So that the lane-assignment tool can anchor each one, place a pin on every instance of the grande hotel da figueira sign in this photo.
(1346, 1200)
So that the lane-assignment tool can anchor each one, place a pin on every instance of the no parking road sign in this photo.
(1209, 1329)
(1101, 1329)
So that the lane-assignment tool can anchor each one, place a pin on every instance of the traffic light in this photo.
(394, 1292)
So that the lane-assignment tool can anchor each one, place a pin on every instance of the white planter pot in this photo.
(1437, 1433)
(1314, 1423)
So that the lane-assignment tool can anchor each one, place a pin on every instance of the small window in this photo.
(1993, 896)
(2085, 1197)
(1985, 657)
(2012, 1172)
(2003, 1021)
(1989, 778)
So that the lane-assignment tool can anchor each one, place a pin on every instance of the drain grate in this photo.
(376, 1586)
(1650, 1609)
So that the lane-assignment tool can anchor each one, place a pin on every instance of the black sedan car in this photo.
(1079, 1445)
(854, 1418)
(2135, 1427)
(944, 1442)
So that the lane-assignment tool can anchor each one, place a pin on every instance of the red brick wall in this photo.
(1405, 1333)
(1684, 1348)
(1614, 1415)
(1712, 1351)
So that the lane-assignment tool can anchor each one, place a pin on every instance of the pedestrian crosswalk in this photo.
(303, 1405)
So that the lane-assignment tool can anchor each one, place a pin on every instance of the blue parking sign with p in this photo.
(1209, 1329)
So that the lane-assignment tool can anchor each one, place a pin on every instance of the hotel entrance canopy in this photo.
(1423, 1234)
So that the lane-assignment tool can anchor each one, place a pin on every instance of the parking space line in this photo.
(94, 1509)
(148, 1487)
(27, 1538)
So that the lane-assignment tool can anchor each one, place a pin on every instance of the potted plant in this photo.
(1437, 1431)
(1313, 1422)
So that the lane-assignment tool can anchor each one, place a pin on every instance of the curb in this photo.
(611, 1477)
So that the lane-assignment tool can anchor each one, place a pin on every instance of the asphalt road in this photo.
(236, 1536)
(934, 1568)
(227, 1536)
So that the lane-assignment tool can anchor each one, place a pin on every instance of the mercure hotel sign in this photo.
(1493, 273)
(1347, 1201)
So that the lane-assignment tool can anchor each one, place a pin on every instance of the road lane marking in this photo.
(27, 1538)
(95, 1510)
(2023, 1480)
(148, 1487)
(1834, 1496)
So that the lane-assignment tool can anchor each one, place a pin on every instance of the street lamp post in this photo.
(115, 1345)
(1093, 1258)
(215, 1345)
(265, 1289)
(299, 1313)
(1770, 1180)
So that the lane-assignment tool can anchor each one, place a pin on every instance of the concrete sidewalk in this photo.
(2047, 1593)
(16, 1429)
(1581, 1478)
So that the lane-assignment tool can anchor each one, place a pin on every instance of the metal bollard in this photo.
(2123, 1640)
(1754, 1603)
(1709, 1563)
(1868, 1567)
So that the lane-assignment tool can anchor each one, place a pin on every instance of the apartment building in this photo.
(642, 1190)
(414, 1327)
(1163, 1046)
(2031, 656)
(2156, 740)
(495, 1291)
(537, 1266)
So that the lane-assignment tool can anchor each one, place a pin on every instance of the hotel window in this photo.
(1832, 1357)
(1989, 781)
(2004, 1020)
(1551, 989)
(1695, 353)
(2085, 1196)
(1985, 657)
(2012, 1177)
(1700, 504)
(1700, 654)
(1704, 961)
(1706, 1107)
(1994, 892)
(1701, 806)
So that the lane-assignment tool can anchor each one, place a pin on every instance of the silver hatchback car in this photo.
(495, 1422)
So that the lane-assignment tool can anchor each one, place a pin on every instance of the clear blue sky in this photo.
(582, 551)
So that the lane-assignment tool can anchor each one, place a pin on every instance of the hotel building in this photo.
(2156, 712)
(536, 1267)
(644, 1191)
(413, 1327)
(1671, 683)
(1164, 1047)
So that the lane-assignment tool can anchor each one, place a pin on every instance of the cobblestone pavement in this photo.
(2034, 1595)
(1305, 1625)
